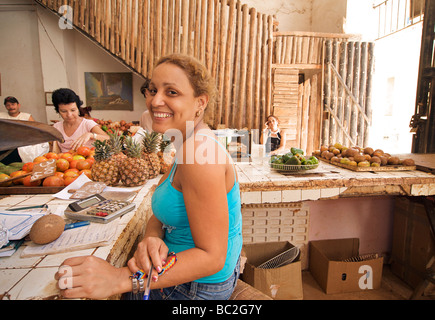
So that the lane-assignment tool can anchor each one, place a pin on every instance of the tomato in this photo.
(16, 174)
(40, 159)
(83, 164)
(29, 183)
(62, 164)
(84, 151)
(28, 166)
(53, 181)
(87, 172)
(51, 155)
(68, 180)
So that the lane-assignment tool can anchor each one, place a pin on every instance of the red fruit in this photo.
(51, 155)
(16, 174)
(53, 181)
(73, 164)
(87, 172)
(28, 166)
(62, 164)
(69, 173)
(29, 183)
(68, 180)
(84, 151)
(40, 159)
(66, 155)
(59, 174)
(83, 164)
(91, 160)
(75, 170)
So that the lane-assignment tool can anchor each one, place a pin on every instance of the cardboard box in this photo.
(336, 276)
(282, 283)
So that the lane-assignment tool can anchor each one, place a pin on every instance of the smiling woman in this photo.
(196, 206)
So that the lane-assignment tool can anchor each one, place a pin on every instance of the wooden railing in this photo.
(233, 40)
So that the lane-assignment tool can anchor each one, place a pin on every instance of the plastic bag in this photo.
(28, 153)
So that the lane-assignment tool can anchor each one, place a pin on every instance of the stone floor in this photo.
(392, 288)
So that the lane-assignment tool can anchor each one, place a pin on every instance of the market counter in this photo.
(33, 278)
(260, 184)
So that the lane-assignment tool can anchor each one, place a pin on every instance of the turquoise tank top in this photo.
(168, 206)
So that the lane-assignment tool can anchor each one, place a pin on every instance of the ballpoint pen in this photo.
(147, 288)
(76, 225)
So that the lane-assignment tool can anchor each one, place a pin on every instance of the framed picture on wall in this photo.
(109, 90)
(48, 101)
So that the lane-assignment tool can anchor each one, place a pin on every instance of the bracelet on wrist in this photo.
(137, 278)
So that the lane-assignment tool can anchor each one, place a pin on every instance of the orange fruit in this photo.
(29, 183)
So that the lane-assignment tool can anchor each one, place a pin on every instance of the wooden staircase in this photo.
(231, 39)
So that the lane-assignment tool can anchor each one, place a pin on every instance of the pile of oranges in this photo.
(69, 165)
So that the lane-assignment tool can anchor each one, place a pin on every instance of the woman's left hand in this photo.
(90, 277)
(82, 140)
(152, 248)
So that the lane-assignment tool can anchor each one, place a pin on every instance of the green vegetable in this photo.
(286, 157)
(296, 151)
(314, 160)
(17, 164)
(293, 161)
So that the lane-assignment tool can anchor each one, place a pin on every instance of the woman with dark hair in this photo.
(272, 136)
(76, 130)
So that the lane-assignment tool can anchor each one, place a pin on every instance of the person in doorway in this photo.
(76, 130)
(196, 206)
(273, 137)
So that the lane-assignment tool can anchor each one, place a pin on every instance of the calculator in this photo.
(98, 209)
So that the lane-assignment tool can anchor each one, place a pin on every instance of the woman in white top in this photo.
(76, 131)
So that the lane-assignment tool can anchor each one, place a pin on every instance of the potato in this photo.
(408, 162)
(47, 229)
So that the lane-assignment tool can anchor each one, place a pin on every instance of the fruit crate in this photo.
(389, 167)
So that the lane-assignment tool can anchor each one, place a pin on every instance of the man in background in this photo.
(25, 153)
(13, 110)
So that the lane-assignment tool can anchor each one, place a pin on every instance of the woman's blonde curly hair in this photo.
(199, 77)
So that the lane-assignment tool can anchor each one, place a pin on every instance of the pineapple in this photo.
(105, 169)
(133, 171)
(165, 156)
(150, 143)
(116, 142)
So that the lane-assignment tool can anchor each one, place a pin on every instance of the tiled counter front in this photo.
(275, 205)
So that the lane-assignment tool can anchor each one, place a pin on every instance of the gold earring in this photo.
(198, 113)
